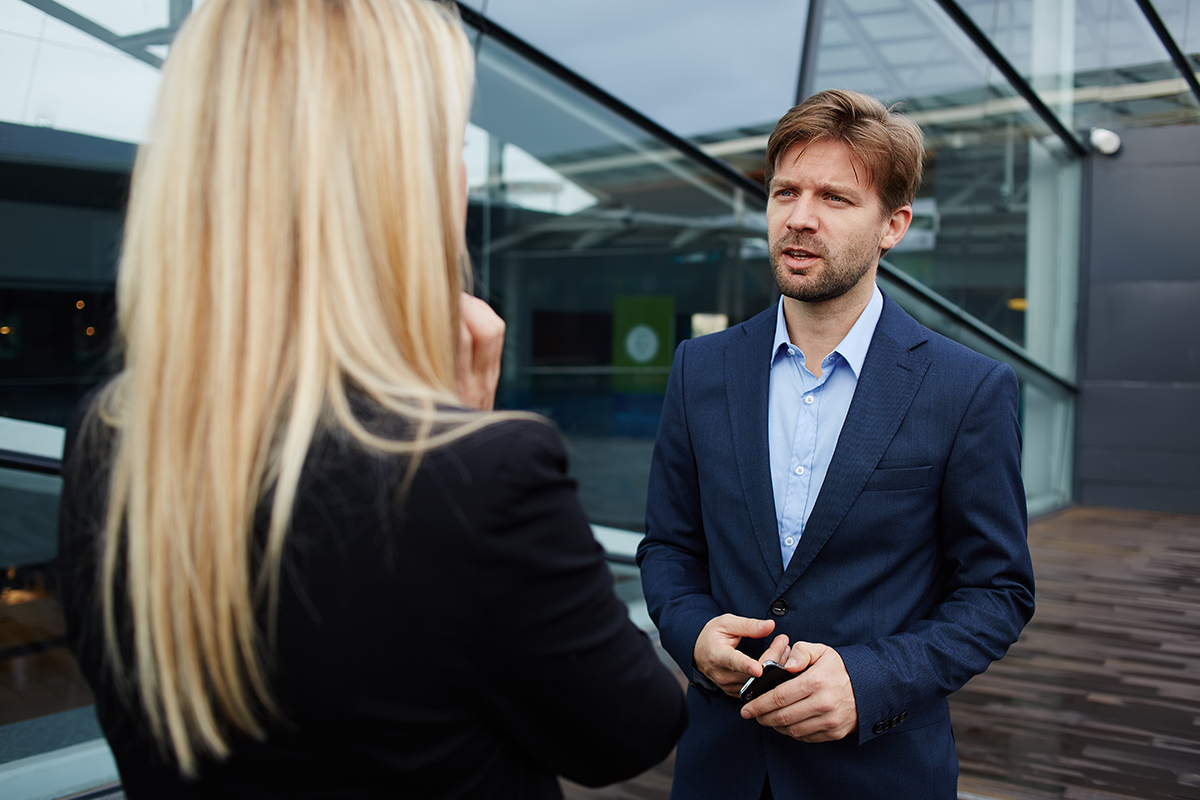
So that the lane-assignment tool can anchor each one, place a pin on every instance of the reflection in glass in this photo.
(602, 247)
(1096, 64)
(693, 67)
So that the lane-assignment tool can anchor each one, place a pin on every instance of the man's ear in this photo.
(897, 226)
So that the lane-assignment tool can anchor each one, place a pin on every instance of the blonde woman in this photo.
(296, 561)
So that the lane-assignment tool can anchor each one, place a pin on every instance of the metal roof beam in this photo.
(1015, 78)
(95, 30)
(1177, 56)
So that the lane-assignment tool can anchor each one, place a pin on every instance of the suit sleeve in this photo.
(673, 556)
(572, 681)
(988, 595)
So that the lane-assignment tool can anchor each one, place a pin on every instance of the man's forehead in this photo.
(824, 159)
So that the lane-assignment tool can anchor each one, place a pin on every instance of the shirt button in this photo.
(791, 351)
(789, 541)
(808, 399)
(799, 470)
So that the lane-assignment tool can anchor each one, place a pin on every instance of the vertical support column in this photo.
(806, 82)
(1052, 221)
(495, 198)
(1052, 256)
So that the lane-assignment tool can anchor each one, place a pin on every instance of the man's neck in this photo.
(817, 328)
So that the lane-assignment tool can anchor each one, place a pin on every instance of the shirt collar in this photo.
(852, 348)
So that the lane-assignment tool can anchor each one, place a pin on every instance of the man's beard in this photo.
(841, 273)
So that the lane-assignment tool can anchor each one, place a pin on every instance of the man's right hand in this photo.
(717, 657)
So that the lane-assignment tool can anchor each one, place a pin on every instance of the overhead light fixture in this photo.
(1104, 141)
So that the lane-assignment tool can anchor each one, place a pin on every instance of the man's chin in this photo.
(818, 292)
(814, 295)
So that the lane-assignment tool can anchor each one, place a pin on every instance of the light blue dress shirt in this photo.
(805, 415)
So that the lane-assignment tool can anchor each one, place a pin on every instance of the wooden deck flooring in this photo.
(1100, 699)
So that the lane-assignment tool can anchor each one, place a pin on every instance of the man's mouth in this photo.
(798, 253)
(798, 257)
(795, 252)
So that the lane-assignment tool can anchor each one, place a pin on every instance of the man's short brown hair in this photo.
(889, 145)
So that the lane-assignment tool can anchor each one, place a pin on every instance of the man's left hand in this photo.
(817, 706)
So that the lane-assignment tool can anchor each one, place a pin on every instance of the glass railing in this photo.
(50, 741)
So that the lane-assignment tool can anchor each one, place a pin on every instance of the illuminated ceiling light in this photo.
(79, 304)
(90, 331)
(5, 330)
(1018, 303)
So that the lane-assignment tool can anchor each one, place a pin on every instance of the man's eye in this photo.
(837, 199)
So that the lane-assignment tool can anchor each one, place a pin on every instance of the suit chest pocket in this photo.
(890, 480)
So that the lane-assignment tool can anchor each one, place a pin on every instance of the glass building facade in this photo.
(614, 161)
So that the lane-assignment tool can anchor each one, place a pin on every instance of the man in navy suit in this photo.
(837, 488)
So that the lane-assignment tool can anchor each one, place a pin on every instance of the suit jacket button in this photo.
(903, 716)
(779, 607)
(879, 727)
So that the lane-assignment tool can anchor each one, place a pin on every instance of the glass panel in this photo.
(38, 675)
(600, 246)
(1096, 64)
(693, 66)
(56, 306)
(1182, 18)
(999, 204)
(970, 241)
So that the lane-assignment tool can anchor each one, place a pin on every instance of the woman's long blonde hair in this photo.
(294, 229)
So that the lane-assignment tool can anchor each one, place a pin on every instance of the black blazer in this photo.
(460, 641)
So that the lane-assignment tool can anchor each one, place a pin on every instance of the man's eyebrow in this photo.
(843, 190)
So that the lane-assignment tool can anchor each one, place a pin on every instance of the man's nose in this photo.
(804, 215)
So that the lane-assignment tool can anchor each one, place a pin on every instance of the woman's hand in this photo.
(480, 345)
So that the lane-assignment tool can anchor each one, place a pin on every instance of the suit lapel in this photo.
(747, 376)
(891, 375)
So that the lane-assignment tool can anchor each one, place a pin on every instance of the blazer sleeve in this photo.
(569, 677)
(988, 596)
(673, 556)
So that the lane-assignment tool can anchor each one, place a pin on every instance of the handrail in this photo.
(30, 462)
(1008, 347)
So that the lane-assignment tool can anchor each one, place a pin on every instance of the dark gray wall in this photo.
(1138, 443)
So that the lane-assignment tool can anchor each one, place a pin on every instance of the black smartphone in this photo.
(773, 675)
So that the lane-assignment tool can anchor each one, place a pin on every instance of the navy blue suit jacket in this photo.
(913, 565)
